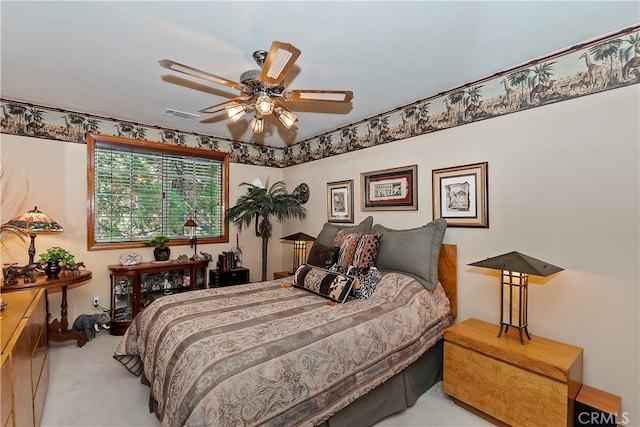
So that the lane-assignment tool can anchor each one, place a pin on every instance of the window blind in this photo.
(141, 194)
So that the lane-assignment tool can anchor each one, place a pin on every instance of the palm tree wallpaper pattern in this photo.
(608, 63)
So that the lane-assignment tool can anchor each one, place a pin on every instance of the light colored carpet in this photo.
(87, 387)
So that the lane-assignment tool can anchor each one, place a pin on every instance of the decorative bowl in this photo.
(130, 258)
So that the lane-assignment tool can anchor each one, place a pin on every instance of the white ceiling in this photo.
(101, 58)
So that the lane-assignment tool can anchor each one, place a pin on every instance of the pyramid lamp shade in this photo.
(515, 270)
(34, 222)
(299, 248)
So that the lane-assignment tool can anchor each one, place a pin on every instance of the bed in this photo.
(270, 353)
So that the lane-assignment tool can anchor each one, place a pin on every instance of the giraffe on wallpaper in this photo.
(595, 71)
(508, 91)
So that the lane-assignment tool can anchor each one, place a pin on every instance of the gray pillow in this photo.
(329, 230)
(414, 251)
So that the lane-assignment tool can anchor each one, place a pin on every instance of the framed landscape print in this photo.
(460, 195)
(390, 189)
(340, 201)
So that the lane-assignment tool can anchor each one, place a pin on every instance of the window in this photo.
(139, 189)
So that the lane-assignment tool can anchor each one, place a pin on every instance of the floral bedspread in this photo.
(264, 354)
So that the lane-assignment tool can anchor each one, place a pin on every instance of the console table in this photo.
(134, 287)
(56, 330)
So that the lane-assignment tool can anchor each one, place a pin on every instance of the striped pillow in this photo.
(330, 284)
(358, 250)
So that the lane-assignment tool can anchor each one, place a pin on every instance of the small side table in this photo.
(281, 274)
(235, 276)
(56, 330)
(597, 407)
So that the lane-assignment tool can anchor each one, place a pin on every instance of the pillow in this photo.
(322, 256)
(329, 230)
(329, 284)
(414, 251)
(368, 279)
(357, 249)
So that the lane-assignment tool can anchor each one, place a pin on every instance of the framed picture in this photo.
(340, 201)
(390, 189)
(460, 195)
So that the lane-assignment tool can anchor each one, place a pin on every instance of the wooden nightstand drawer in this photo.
(532, 384)
(506, 392)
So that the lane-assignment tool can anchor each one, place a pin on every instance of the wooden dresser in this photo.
(25, 364)
(506, 382)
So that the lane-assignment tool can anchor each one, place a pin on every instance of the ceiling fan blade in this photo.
(221, 106)
(215, 119)
(180, 81)
(318, 95)
(175, 66)
(279, 61)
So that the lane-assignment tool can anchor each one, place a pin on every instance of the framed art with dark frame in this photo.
(340, 201)
(390, 189)
(460, 195)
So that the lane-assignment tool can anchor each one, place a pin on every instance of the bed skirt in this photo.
(395, 395)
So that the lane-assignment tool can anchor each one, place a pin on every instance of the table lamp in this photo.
(191, 230)
(34, 222)
(299, 248)
(515, 270)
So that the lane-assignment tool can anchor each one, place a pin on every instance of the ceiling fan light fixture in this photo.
(264, 104)
(235, 112)
(257, 124)
(287, 118)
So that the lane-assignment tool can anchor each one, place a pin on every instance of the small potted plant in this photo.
(53, 259)
(161, 251)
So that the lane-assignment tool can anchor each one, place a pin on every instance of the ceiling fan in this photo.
(263, 90)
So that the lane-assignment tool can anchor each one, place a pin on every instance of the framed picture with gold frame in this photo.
(340, 201)
(390, 189)
(461, 195)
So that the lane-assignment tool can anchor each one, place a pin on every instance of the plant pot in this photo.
(52, 269)
(162, 253)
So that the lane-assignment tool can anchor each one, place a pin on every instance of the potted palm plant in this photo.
(264, 204)
(53, 259)
(161, 252)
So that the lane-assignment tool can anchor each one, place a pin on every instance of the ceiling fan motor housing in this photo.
(251, 79)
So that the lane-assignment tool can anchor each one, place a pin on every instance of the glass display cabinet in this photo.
(134, 287)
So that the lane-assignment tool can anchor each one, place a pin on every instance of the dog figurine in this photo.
(91, 323)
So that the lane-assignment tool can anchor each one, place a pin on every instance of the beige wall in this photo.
(52, 175)
(564, 186)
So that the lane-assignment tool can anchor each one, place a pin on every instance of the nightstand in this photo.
(234, 276)
(281, 274)
(504, 381)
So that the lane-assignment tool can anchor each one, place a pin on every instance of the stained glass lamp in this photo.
(34, 222)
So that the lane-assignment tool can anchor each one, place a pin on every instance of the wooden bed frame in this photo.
(448, 274)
